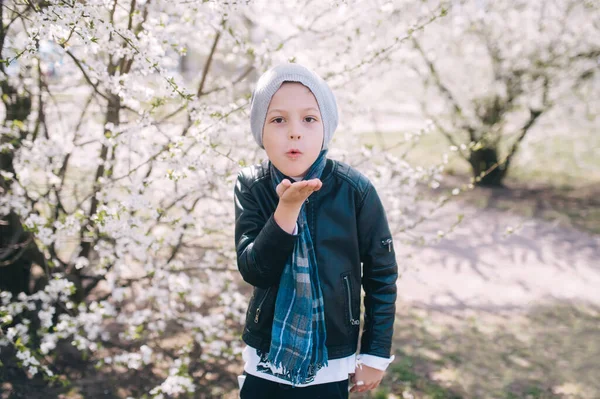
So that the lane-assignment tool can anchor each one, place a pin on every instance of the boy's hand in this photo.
(291, 198)
(365, 378)
(296, 193)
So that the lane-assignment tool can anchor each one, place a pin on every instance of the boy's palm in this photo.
(296, 193)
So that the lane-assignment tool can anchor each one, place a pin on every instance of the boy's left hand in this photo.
(368, 375)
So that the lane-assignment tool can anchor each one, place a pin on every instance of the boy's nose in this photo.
(294, 132)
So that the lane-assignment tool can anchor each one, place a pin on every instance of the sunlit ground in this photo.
(549, 351)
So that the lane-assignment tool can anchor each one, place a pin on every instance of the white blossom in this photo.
(154, 229)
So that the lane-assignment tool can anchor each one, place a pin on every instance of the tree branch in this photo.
(208, 62)
(180, 241)
(85, 75)
(533, 116)
(447, 135)
(241, 77)
(445, 91)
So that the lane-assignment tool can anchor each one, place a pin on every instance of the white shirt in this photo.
(336, 369)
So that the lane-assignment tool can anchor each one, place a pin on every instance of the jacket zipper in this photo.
(260, 305)
(352, 320)
(387, 243)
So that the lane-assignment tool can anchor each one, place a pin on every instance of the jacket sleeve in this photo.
(380, 272)
(262, 246)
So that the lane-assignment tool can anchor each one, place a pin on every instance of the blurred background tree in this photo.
(499, 67)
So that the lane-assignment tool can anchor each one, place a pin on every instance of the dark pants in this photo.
(259, 388)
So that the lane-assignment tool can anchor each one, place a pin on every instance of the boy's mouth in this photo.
(293, 153)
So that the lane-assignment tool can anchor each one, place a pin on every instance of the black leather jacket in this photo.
(348, 227)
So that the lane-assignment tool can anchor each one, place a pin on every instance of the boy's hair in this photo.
(270, 82)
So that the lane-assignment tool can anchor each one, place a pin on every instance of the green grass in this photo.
(574, 207)
(549, 180)
(550, 352)
(556, 162)
(404, 372)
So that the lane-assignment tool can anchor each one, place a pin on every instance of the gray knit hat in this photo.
(270, 82)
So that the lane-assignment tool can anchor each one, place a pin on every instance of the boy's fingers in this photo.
(358, 387)
(304, 190)
(282, 187)
(298, 186)
(319, 185)
(301, 190)
(309, 192)
(316, 185)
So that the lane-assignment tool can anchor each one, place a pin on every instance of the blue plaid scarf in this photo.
(298, 335)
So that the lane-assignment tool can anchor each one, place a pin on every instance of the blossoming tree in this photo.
(502, 66)
(124, 126)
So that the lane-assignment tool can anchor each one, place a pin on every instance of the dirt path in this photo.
(480, 266)
(483, 313)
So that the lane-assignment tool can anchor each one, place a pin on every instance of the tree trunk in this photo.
(16, 247)
(15, 269)
(486, 168)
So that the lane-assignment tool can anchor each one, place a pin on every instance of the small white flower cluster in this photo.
(174, 385)
(14, 200)
(28, 361)
(85, 327)
(131, 360)
(20, 330)
(71, 225)
(178, 382)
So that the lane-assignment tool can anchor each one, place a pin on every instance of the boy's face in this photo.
(293, 131)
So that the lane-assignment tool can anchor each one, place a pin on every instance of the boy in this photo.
(304, 225)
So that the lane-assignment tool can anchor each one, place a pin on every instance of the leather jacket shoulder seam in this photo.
(349, 180)
(264, 174)
(364, 196)
(259, 179)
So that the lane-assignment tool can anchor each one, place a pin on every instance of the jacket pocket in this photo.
(256, 315)
(353, 316)
(259, 306)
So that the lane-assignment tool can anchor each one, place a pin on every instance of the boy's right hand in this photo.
(296, 193)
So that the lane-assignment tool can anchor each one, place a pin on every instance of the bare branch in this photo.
(385, 51)
(204, 74)
(447, 135)
(85, 75)
(241, 77)
(235, 81)
(208, 63)
(533, 117)
(436, 77)
(185, 226)
(22, 248)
